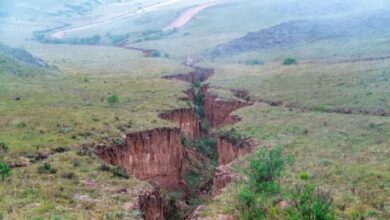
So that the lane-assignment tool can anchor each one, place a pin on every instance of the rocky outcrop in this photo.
(229, 150)
(198, 75)
(222, 177)
(151, 204)
(188, 121)
(154, 155)
(218, 111)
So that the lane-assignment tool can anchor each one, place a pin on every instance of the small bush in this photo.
(3, 147)
(265, 168)
(262, 186)
(321, 108)
(104, 167)
(76, 163)
(236, 138)
(290, 61)
(5, 171)
(46, 168)
(208, 147)
(197, 84)
(120, 172)
(172, 206)
(248, 207)
(309, 202)
(113, 99)
(21, 125)
(119, 141)
(155, 54)
(60, 149)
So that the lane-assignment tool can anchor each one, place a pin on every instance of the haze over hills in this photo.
(177, 109)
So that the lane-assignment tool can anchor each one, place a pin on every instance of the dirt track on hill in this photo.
(187, 15)
(61, 34)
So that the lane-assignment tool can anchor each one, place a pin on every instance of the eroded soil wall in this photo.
(229, 150)
(188, 121)
(218, 111)
(149, 155)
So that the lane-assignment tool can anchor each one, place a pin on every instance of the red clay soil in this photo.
(228, 150)
(188, 121)
(218, 111)
(222, 177)
(151, 204)
(154, 155)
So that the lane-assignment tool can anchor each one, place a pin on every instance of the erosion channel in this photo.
(189, 163)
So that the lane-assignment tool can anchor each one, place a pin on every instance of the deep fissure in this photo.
(188, 163)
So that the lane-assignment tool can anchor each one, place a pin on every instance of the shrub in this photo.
(290, 61)
(5, 171)
(3, 147)
(113, 99)
(311, 203)
(60, 149)
(197, 84)
(264, 170)
(21, 125)
(172, 206)
(155, 54)
(208, 147)
(46, 168)
(247, 204)
(120, 172)
(104, 167)
(236, 138)
(119, 141)
(262, 186)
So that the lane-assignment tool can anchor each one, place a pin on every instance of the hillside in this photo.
(200, 110)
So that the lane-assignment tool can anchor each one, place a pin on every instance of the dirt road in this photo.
(188, 15)
(116, 17)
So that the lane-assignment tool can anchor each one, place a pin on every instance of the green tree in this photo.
(5, 171)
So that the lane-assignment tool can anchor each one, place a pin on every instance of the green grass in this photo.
(343, 153)
(78, 190)
(347, 154)
(360, 85)
(72, 108)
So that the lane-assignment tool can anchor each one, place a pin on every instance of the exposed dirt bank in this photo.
(158, 155)
(229, 150)
(223, 176)
(218, 111)
(154, 155)
(151, 204)
(188, 121)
